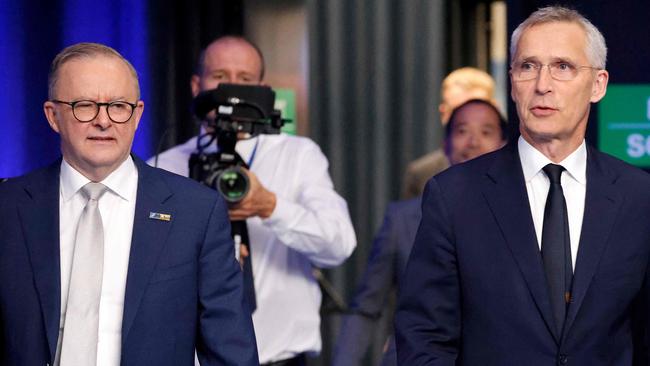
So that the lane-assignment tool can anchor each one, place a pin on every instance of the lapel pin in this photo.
(160, 216)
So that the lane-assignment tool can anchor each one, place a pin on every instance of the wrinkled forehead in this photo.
(552, 42)
(100, 74)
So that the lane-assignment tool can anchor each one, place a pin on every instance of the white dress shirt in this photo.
(574, 185)
(310, 226)
(117, 208)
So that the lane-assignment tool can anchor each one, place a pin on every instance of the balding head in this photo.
(85, 50)
(228, 59)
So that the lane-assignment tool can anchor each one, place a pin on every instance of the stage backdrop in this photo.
(160, 38)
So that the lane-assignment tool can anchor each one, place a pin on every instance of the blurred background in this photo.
(366, 76)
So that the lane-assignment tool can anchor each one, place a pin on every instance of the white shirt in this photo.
(117, 208)
(310, 226)
(574, 186)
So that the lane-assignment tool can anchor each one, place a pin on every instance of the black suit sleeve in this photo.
(641, 324)
(428, 317)
(366, 307)
(2, 341)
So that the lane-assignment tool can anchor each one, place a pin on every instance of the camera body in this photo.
(240, 111)
(222, 172)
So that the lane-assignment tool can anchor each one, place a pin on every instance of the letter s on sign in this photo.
(635, 145)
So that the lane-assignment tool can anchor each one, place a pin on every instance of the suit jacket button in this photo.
(562, 360)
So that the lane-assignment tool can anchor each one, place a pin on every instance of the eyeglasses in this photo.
(561, 70)
(87, 110)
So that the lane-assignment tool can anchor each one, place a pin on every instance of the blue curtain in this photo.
(32, 34)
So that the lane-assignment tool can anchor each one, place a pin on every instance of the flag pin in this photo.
(160, 216)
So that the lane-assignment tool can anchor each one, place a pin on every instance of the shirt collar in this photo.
(123, 181)
(532, 161)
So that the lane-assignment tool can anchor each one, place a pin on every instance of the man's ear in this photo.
(599, 86)
(441, 108)
(50, 113)
(512, 90)
(195, 85)
(446, 147)
(139, 109)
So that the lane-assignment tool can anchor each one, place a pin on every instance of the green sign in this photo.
(624, 123)
(285, 101)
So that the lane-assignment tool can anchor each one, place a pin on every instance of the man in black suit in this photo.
(536, 254)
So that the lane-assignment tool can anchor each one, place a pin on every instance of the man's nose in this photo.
(473, 140)
(544, 80)
(103, 120)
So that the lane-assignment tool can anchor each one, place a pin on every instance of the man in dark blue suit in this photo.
(105, 260)
(475, 128)
(536, 254)
(387, 260)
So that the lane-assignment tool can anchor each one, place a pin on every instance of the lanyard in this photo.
(250, 160)
(200, 147)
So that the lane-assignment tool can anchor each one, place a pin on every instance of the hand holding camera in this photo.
(258, 202)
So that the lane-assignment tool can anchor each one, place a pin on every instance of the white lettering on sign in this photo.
(638, 145)
(635, 148)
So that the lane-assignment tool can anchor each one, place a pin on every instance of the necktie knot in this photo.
(93, 191)
(554, 172)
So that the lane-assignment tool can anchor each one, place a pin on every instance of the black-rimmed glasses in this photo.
(87, 110)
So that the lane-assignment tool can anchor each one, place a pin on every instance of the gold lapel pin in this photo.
(160, 216)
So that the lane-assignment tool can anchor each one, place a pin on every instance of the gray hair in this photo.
(596, 48)
(85, 50)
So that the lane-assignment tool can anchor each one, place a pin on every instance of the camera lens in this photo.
(233, 184)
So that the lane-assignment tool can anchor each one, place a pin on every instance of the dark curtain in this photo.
(375, 72)
(181, 31)
(161, 38)
(464, 18)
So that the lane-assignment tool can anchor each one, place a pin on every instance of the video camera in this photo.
(232, 112)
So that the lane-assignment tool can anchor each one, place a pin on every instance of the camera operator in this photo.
(295, 218)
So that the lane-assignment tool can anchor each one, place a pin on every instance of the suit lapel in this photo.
(602, 203)
(148, 239)
(508, 199)
(39, 217)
